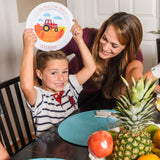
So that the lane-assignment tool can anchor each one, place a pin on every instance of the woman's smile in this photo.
(106, 52)
(109, 44)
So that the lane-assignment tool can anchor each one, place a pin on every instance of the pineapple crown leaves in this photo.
(139, 90)
(135, 108)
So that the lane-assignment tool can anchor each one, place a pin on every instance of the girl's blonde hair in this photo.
(42, 57)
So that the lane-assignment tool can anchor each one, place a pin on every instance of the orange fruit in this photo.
(149, 157)
(156, 138)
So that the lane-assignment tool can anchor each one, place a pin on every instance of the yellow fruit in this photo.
(158, 100)
(156, 138)
(149, 157)
(155, 150)
(157, 105)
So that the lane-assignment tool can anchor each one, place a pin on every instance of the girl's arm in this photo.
(3, 153)
(89, 65)
(26, 70)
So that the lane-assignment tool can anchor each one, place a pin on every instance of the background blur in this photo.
(89, 13)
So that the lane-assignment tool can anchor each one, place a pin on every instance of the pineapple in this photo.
(135, 109)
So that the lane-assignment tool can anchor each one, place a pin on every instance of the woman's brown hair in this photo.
(129, 32)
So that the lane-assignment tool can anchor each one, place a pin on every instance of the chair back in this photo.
(16, 124)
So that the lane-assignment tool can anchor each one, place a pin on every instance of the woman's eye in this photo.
(114, 46)
(104, 37)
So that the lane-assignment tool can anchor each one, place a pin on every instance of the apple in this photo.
(100, 144)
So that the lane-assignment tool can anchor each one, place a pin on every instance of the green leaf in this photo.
(133, 82)
(124, 81)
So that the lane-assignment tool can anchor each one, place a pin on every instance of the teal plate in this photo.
(77, 128)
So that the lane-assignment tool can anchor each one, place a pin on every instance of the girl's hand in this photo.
(77, 31)
(29, 38)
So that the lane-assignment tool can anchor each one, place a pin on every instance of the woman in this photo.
(114, 46)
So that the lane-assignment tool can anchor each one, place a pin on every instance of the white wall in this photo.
(92, 13)
(10, 40)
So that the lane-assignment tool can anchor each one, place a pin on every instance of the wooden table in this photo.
(51, 145)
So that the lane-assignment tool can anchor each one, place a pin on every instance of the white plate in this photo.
(51, 22)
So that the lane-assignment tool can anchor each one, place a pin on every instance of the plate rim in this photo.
(48, 46)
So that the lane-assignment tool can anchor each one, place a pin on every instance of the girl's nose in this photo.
(60, 77)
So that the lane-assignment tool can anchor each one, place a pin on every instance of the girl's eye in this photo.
(65, 72)
(54, 73)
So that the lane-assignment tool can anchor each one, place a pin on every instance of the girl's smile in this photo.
(55, 75)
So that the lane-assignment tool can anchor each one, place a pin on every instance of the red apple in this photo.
(100, 144)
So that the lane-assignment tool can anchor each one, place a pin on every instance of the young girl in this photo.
(57, 97)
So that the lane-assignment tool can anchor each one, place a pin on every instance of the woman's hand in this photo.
(29, 38)
(77, 31)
